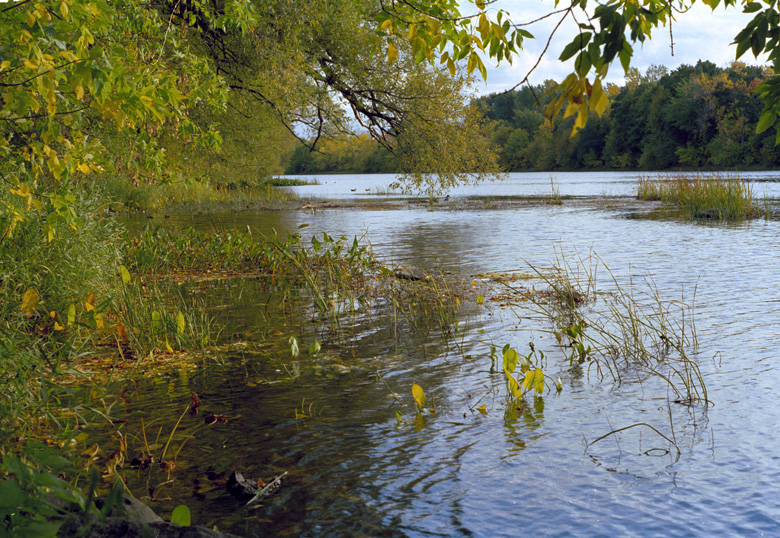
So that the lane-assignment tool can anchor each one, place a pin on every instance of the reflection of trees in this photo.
(437, 245)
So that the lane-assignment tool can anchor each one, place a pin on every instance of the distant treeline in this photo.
(698, 116)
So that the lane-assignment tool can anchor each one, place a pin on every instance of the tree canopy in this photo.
(90, 86)
(444, 31)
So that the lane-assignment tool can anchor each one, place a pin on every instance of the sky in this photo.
(699, 34)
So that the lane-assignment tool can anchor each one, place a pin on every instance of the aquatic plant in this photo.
(634, 329)
(700, 196)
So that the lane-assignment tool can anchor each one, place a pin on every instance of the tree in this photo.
(439, 30)
(74, 75)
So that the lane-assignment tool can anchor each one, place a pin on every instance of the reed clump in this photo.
(632, 330)
(700, 196)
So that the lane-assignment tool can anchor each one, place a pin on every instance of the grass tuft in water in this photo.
(634, 329)
(706, 197)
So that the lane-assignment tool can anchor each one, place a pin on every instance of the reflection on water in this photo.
(355, 470)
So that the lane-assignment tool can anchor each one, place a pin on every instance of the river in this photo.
(355, 469)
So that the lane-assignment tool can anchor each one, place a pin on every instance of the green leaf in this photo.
(579, 43)
(766, 120)
(294, 351)
(751, 7)
(315, 348)
(181, 516)
(11, 494)
(71, 314)
(180, 322)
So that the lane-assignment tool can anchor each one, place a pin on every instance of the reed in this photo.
(634, 330)
(700, 196)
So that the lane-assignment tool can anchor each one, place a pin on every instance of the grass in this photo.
(633, 330)
(195, 194)
(713, 197)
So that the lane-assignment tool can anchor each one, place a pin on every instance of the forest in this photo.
(693, 117)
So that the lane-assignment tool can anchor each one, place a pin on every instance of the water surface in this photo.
(355, 470)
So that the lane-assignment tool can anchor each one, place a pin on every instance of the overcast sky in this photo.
(699, 34)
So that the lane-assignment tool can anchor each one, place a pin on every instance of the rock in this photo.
(132, 509)
(136, 520)
(708, 214)
(411, 273)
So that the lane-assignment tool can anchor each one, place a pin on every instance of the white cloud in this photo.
(699, 34)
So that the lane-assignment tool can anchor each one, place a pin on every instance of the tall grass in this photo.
(180, 192)
(634, 330)
(718, 197)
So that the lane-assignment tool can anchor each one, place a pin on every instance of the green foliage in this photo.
(181, 515)
(31, 491)
(607, 33)
(700, 116)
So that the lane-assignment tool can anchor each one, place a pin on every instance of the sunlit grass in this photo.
(714, 197)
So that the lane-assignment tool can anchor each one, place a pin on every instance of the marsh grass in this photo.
(631, 330)
(186, 193)
(715, 197)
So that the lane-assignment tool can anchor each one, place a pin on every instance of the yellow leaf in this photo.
(71, 314)
(480, 299)
(99, 321)
(58, 327)
(392, 52)
(514, 387)
(598, 98)
(52, 314)
(180, 322)
(64, 9)
(530, 377)
(30, 20)
(434, 25)
(89, 304)
(125, 274)
(571, 109)
(419, 396)
(30, 300)
(84, 168)
(412, 31)
(582, 119)
(539, 381)
(482, 409)
(168, 346)
(121, 331)
(387, 26)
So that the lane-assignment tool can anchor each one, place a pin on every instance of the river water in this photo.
(355, 469)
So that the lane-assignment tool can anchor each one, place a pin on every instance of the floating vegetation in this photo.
(703, 197)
